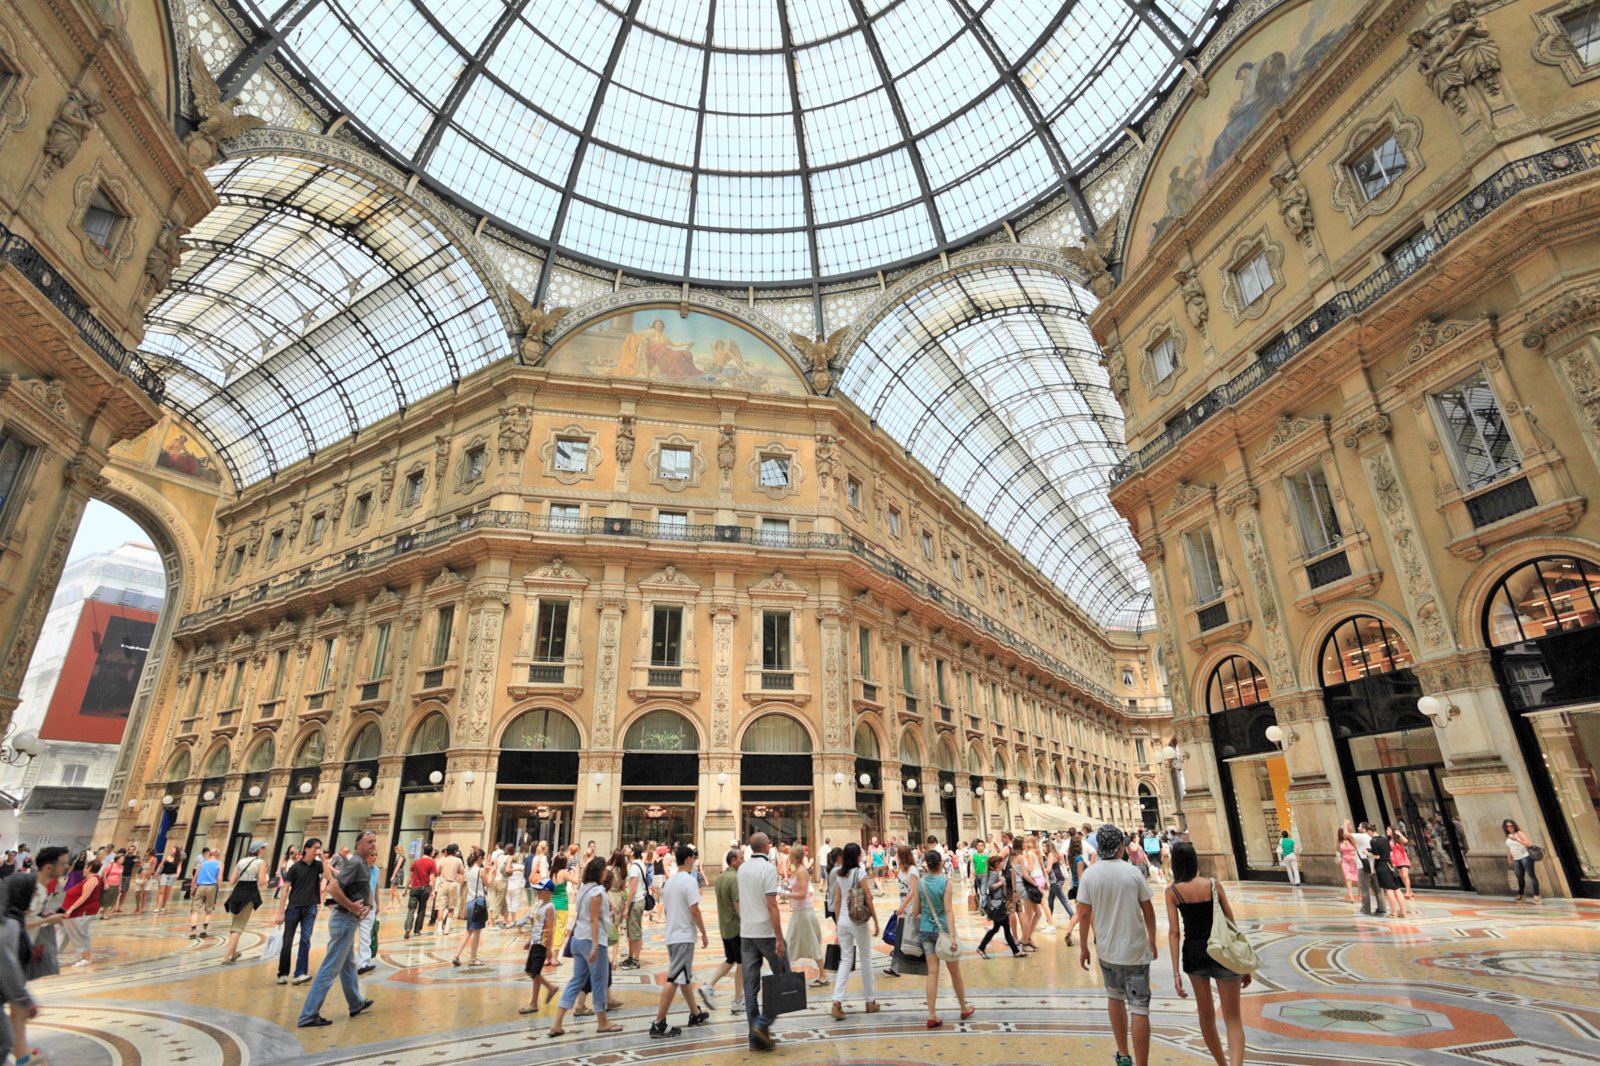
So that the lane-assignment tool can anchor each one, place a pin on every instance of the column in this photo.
(719, 768)
(1202, 801)
(834, 788)
(386, 800)
(600, 802)
(1318, 804)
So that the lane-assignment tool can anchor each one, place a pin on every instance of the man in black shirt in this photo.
(349, 901)
(297, 910)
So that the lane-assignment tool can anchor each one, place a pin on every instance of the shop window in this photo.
(1205, 572)
(1314, 514)
(1377, 166)
(774, 472)
(1236, 683)
(444, 626)
(1476, 430)
(1544, 625)
(676, 464)
(432, 736)
(550, 636)
(666, 636)
(1368, 686)
(572, 455)
(1254, 276)
(1582, 28)
(103, 221)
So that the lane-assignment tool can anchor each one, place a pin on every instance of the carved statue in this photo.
(163, 259)
(535, 323)
(1456, 52)
(826, 458)
(625, 441)
(1294, 202)
(1117, 367)
(515, 430)
(1480, 55)
(1094, 257)
(385, 480)
(725, 448)
(217, 120)
(69, 129)
(1195, 306)
(292, 527)
(820, 353)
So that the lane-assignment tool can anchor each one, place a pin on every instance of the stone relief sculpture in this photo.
(163, 259)
(1094, 257)
(516, 428)
(69, 129)
(625, 441)
(218, 120)
(1195, 305)
(820, 352)
(535, 323)
(1457, 51)
(1294, 203)
(725, 448)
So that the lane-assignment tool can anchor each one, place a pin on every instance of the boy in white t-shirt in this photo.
(680, 903)
(541, 943)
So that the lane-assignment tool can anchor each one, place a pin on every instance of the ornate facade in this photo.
(1367, 482)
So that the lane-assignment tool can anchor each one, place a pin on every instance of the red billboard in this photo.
(99, 674)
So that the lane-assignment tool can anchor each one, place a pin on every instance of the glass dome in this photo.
(739, 141)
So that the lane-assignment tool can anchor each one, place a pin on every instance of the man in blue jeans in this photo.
(298, 911)
(349, 899)
(760, 936)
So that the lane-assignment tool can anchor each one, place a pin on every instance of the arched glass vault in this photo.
(991, 379)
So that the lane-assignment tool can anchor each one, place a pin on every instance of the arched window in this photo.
(866, 742)
(260, 760)
(1236, 683)
(1361, 647)
(433, 735)
(661, 731)
(944, 758)
(910, 754)
(974, 762)
(178, 767)
(1367, 684)
(541, 729)
(366, 744)
(216, 762)
(776, 734)
(311, 751)
(1543, 622)
(1144, 790)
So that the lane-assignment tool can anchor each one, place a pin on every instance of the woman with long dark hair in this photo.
(1518, 847)
(855, 940)
(475, 908)
(1189, 897)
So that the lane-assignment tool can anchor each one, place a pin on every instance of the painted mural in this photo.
(656, 344)
(1244, 89)
(180, 454)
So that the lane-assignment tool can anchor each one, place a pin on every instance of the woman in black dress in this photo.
(1389, 882)
(1189, 896)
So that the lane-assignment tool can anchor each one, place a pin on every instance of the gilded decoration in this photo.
(566, 464)
(1155, 385)
(217, 118)
(1243, 252)
(1455, 51)
(1554, 47)
(119, 250)
(1347, 194)
(16, 81)
(678, 442)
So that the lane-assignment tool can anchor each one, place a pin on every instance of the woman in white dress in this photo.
(804, 935)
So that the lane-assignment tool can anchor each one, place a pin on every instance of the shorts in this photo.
(449, 896)
(930, 941)
(731, 951)
(1214, 970)
(242, 918)
(680, 964)
(1130, 984)
(636, 920)
(538, 955)
(205, 899)
(109, 895)
(168, 880)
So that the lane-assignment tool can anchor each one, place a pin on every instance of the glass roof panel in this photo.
(987, 106)
(990, 379)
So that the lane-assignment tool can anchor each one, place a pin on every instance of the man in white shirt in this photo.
(760, 936)
(635, 909)
(1091, 851)
(680, 902)
(1370, 893)
(1114, 905)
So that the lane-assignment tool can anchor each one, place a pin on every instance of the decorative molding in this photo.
(466, 481)
(547, 454)
(1153, 386)
(671, 580)
(447, 580)
(776, 586)
(1554, 48)
(67, 132)
(1244, 251)
(772, 450)
(1565, 313)
(1431, 337)
(122, 234)
(625, 440)
(1455, 51)
(1116, 365)
(14, 105)
(1407, 133)
(1195, 305)
(555, 572)
(1266, 596)
(1185, 494)
(1416, 581)
(408, 505)
(1376, 426)
(697, 462)
(1289, 428)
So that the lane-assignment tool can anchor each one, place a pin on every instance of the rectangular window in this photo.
(894, 522)
(550, 638)
(775, 649)
(13, 461)
(927, 545)
(673, 525)
(236, 563)
(1139, 750)
(360, 511)
(852, 492)
(1254, 277)
(955, 567)
(907, 679)
(1377, 168)
(274, 545)
(1313, 509)
(572, 456)
(380, 651)
(1163, 356)
(413, 494)
(237, 690)
(983, 587)
(279, 673)
(1204, 570)
(864, 652)
(972, 692)
(199, 691)
(330, 647)
(676, 464)
(1127, 678)
(566, 517)
(938, 680)
(1582, 28)
(775, 531)
(73, 774)
(442, 633)
(774, 472)
(476, 459)
(102, 221)
(1000, 599)
(319, 525)
(666, 636)
(1476, 428)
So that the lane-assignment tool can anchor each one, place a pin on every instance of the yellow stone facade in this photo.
(1401, 228)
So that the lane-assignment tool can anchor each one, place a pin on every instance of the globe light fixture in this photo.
(839, 778)
(208, 795)
(167, 801)
(1438, 710)
(865, 779)
(978, 791)
(722, 778)
(133, 805)
(469, 777)
(255, 790)
(305, 786)
(365, 782)
(948, 787)
(435, 777)
(911, 784)
(1005, 793)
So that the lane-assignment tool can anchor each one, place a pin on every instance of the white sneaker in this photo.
(80, 963)
(738, 1006)
(302, 979)
(1047, 928)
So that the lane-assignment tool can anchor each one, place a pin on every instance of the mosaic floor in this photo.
(1463, 981)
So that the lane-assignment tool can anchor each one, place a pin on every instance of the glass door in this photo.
(529, 823)
(1415, 801)
(665, 823)
(784, 822)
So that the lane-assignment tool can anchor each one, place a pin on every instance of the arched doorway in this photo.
(536, 787)
(1388, 751)
(208, 804)
(360, 772)
(1149, 808)
(912, 787)
(421, 786)
(660, 779)
(1251, 769)
(252, 799)
(945, 761)
(869, 784)
(299, 802)
(1542, 624)
(775, 780)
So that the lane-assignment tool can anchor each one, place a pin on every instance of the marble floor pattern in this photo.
(1465, 980)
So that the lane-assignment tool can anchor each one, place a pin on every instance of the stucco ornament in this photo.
(1456, 51)
(516, 428)
(1116, 365)
(1294, 203)
(1195, 305)
(69, 129)
(163, 259)
(218, 118)
(820, 353)
(625, 441)
(535, 323)
(1094, 257)
(726, 449)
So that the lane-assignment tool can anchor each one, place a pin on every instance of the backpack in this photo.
(649, 897)
(855, 901)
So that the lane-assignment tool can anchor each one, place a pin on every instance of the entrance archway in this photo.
(775, 780)
(536, 787)
(660, 779)
(1252, 771)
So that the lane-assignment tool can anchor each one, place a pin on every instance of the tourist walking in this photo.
(1289, 853)
(996, 907)
(476, 908)
(1371, 893)
(1190, 899)
(1032, 882)
(145, 880)
(1400, 857)
(638, 890)
(78, 909)
(680, 908)
(203, 894)
(298, 896)
(422, 875)
(906, 880)
(397, 875)
(1383, 873)
(111, 892)
(560, 877)
(367, 934)
(854, 912)
(1519, 850)
(726, 889)
(1058, 885)
(591, 965)
(1114, 900)
(18, 1005)
(249, 881)
(1348, 862)
(761, 940)
(541, 944)
(804, 935)
(350, 889)
(933, 911)
(448, 879)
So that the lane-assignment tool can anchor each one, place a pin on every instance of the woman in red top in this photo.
(78, 908)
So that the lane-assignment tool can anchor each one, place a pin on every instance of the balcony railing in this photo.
(1547, 166)
(777, 680)
(546, 673)
(665, 677)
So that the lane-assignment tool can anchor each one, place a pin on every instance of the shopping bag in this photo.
(44, 962)
(273, 945)
(891, 928)
(783, 993)
(831, 958)
(375, 923)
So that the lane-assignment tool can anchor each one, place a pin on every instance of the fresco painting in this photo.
(1244, 90)
(180, 454)
(656, 344)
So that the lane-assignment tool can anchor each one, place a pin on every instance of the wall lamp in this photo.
(1439, 710)
(23, 748)
(1278, 736)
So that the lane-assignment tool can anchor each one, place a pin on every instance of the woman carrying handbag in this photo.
(934, 906)
(1196, 901)
(249, 881)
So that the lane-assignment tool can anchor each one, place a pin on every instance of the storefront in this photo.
(869, 785)
(1543, 626)
(1252, 775)
(299, 802)
(356, 778)
(911, 789)
(775, 780)
(660, 779)
(537, 783)
(207, 806)
(252, 801)
(1388, 752)
(421, 788)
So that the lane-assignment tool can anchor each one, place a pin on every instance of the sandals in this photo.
(555, 1032)
(873, 1006)
(982, 954)
(967, 1012)
(526, 1009)
(612, 1028)
(818, 983)
(934, 1023)
(837, 1011)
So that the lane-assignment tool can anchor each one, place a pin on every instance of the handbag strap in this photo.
(938, 917)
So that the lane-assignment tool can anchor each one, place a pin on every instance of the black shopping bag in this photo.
(831, 961)
(783, 993)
